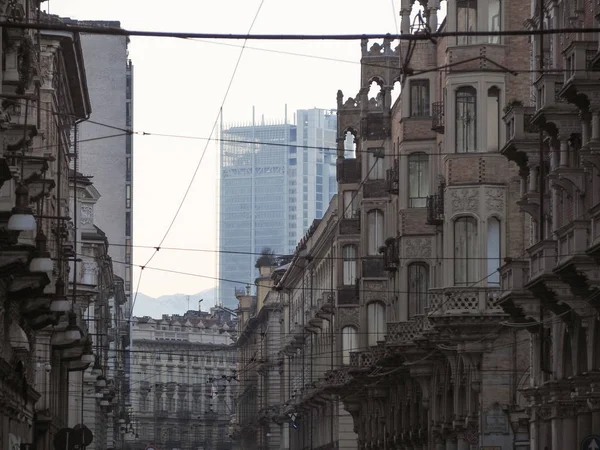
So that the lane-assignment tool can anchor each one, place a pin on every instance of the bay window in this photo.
(466, 119)
(418, 180)
(376, 323)
(418, 288)
(349, 343)
(349, 269)
(465, 251)
(374, 231)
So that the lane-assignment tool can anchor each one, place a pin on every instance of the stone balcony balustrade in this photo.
(406, 333)
(464, 301)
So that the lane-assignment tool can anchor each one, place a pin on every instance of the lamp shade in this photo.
(68, 336)
(41, 262)
(59, 301)
(88, 353)
(104, 403)
(21, 218)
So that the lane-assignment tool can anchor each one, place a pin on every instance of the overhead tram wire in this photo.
(191, 182)
(107, 31)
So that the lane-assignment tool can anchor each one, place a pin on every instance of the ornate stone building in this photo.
(183, 378)
(553, 287)
(46, 343)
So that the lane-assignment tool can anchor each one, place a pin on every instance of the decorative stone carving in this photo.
(464, 200)
(347, 316)
(374, 290)
(495, 421)
(494, 200)
(416, 248)
(377, 286)
(87, 214)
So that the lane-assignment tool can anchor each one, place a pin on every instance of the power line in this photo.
(191, 182)
(107, 31)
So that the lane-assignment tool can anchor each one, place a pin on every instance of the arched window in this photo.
(493, 119)
(418, 288)
(376, 323)
(494, 19)
(374, 231)
(466, 119)
(419, 98)
(493, 251)
(418, 180)
(349, 255)
(465, 250)
(349, 343)
(466, 20)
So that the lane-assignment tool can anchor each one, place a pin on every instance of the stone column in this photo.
(564, 152)
(584, 423)
(533, 179)
(569, 426)
(405, 10)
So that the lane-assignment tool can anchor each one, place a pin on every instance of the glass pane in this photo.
(374, 231)
(466, 20)
(493, 120)
(493, 252)
(465, 251)
(466, 119)
(418, 180)
(494, 22)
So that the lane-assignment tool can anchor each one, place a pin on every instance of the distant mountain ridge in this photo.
(172, 304)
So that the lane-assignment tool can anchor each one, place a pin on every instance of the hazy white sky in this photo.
(180, 84)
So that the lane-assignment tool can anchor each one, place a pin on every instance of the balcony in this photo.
(373, 267)
(515, 299)
(376, 125)
(580, 82)
(467, 301)
(406, 333)
(348, 171)
(437, 117)
(435, 209)
(375, 189)
(552, 110)
(522, 136)
(390, 253)
(348, 295)
(392, 179)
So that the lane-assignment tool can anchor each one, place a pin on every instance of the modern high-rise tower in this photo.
(274, 180)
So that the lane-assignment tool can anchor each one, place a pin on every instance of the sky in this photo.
(179, 86)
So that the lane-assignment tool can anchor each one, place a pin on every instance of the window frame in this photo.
(465, 97)
(495, 94)
(348, 345)
(377, 334)
(468, 6)
(350, 203)
(375, 164)
(415, 162)
(418, 299)
(349, 266)
(374, 242)
(471, 252)
(420, 105)
(493, 276)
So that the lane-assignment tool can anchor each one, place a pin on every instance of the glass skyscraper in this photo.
(274, 180)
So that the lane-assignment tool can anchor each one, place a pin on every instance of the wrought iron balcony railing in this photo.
(438, 119)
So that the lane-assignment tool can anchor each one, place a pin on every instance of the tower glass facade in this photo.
(274, 180)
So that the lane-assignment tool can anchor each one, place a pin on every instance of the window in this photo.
(466, 20)
(418, 288)
(494, 19)
(350, 204)
(128, 196)
(128, 251)
(419, 98)
(349, 255)
(466, 119)
(128, 224)
(493, 252)
(128, 169)
(349, 343)
(493, 119)
(374, 231)
(418, 180)
(375, 165)
(376, 323)
(465, 250)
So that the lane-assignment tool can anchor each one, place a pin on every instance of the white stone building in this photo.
(183, 380)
